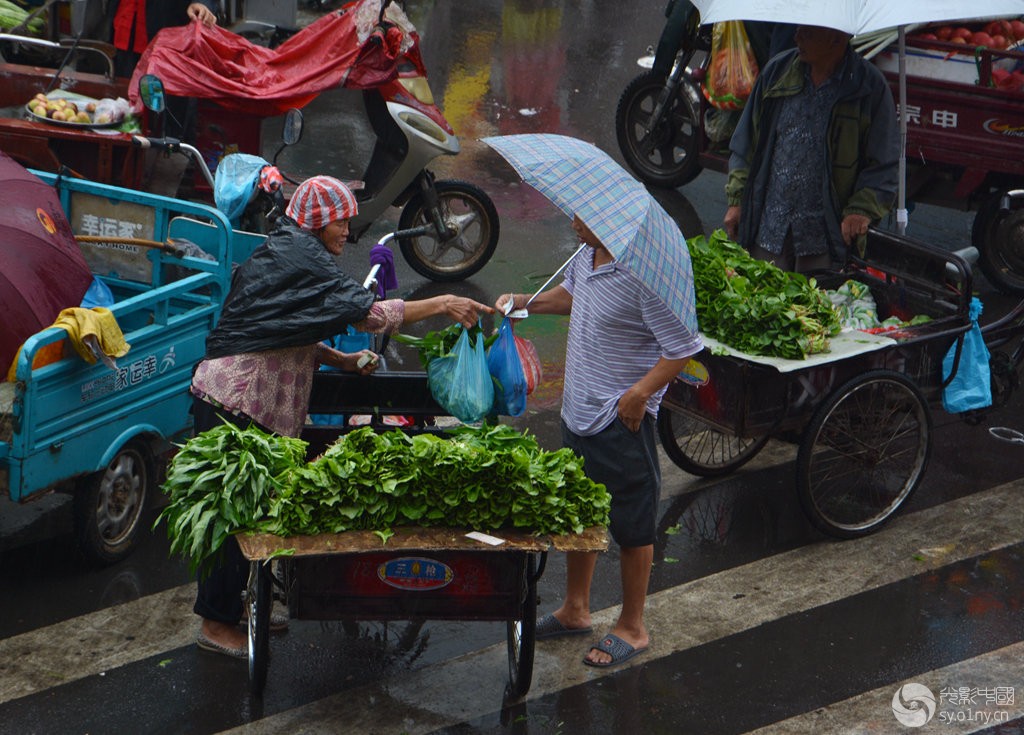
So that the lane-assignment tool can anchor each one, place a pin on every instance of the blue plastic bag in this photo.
(235, 182)
(460, 382)
(971, 387)
(98, 294)
(507, 370)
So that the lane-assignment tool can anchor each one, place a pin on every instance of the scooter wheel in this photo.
(667, 156)
(471, 222)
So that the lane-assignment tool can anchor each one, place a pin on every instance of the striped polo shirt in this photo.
(618, 329)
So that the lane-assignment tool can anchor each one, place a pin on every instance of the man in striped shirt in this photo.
(624, 347)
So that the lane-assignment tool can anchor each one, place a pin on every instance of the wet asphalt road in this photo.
(757, 620)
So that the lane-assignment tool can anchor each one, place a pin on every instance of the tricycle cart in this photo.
(417, 574)
(859, 414)
(96, 432)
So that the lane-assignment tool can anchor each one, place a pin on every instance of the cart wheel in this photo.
(701, 450)
(522, 635)
(259, 603)
(863, 454)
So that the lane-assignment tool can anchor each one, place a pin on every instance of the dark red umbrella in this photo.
(42, 270)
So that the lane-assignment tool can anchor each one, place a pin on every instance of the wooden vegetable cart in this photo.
(419, 573)
(859, 415)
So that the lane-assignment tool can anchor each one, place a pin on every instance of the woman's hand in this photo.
(198, 11)
(457, 308)
(347, 361)
(369, 359)
(464, 310)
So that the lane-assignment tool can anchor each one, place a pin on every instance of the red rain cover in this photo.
(211, 63)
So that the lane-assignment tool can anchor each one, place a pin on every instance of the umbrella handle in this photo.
(523, 312)
(555, 275)
(167, 247)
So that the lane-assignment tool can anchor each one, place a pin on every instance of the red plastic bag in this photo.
(531, 363)
(733, 68)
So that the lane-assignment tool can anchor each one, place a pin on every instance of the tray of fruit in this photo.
(74, 110)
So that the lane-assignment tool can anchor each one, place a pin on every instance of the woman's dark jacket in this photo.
(290, 292)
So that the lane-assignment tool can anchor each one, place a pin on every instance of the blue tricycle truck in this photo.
(101, 433)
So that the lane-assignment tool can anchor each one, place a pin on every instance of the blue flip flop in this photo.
(618, 649)
(549, 626)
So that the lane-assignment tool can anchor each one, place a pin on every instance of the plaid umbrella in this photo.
(581, 179)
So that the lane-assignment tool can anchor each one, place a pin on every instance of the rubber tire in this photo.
(522, 636)
(712, 453)
(874, 429)
(109, 505)
(259, 602)
(999, 238)
(474, 208)
(679, 128)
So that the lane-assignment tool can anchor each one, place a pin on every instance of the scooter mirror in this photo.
(292, 132)
(151, 90)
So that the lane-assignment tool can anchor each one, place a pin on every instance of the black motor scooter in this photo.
(659, 121)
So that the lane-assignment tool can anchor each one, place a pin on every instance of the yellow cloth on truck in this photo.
(84, 326)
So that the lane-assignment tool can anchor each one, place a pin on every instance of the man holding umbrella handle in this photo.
(624, 347)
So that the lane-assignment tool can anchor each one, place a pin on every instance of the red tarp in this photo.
(215, 64)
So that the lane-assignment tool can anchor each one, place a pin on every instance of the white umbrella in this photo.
(863, 16)
(855, 16)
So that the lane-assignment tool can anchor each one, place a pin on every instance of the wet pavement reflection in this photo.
(554, 66)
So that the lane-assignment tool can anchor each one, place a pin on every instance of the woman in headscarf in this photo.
(260, 358)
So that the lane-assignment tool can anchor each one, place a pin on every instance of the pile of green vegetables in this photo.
(755, 307)
(229, 480)
(441, 342)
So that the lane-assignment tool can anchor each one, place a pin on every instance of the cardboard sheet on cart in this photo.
(843, 345)
(265, 545)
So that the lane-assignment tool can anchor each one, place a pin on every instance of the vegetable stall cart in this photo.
(860, 413)
(416, 574)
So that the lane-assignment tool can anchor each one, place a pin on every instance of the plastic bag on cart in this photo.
(460, 382)
(235, 182)
(507, 370)
(971, 387)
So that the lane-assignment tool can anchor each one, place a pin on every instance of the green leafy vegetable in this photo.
(484, 478)
(754, 306)
(219, 481)
(441, 342)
